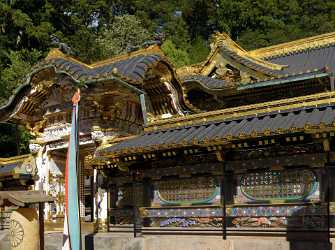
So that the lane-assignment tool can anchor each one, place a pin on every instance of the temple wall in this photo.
(187, 196)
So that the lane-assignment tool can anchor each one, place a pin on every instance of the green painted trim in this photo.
(283, 200)
(282, 81)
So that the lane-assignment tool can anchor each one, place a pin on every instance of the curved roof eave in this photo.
(130, 72)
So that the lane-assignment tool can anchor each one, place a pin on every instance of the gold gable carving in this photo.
(294, 46)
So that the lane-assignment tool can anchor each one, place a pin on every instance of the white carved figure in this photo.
(34, 148)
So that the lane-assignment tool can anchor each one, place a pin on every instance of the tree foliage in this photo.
(178, 57)
(126, 33)
(19, 66)
(98, 29)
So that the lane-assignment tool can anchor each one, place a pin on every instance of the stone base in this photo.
(102, 241)
(123, 241)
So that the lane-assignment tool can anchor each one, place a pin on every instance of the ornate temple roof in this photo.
(224, 45)
(243, 125)
(274, 65)
(205, 82)
(307, 59)
(131, 67)
(278, 61)
(302, 55)
(294, 120)
(296, 46)
(271, 69)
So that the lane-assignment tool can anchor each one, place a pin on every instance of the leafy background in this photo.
(95, 30)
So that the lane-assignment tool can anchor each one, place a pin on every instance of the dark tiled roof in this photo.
(233, 129)
(133, 68)
(250, 64)
(205, 81)
(309, 59)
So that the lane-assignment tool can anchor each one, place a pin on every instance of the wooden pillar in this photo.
(41, 223)
(328, 179)
(224, 201)
(330, 192)
(108, 206)
(220, 157)
(328, 202)
(134, 204)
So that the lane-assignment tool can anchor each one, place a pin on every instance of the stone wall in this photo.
(104, 241)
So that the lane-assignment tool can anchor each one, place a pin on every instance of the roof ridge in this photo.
(295, 46)
(153, 49)
(224, 40)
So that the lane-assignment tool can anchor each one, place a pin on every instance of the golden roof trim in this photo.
(223, 40)
(13, 159)
(293, 46)
(153, 49)
(189, 69)
(236, 112)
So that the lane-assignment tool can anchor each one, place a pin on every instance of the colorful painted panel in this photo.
(187, 222)
(303, 217)
(199, 190)
(254, 211)
(276, 211)
(278, 185)
(298, 217)
(181, 212)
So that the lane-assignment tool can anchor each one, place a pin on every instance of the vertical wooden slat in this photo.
(134, 204)
(224, 199)
(41, 223)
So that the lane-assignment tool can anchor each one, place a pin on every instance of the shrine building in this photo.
(242, 142)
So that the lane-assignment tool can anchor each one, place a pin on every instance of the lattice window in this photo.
(187, 190)
(290, 185)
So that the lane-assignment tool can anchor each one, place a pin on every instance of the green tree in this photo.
(13, 140)
(20, 63)
(177, 56)
(176, 30)
(124, 34)
(199, 50)
(103, 28)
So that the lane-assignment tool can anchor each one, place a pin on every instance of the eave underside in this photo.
(308, 118)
